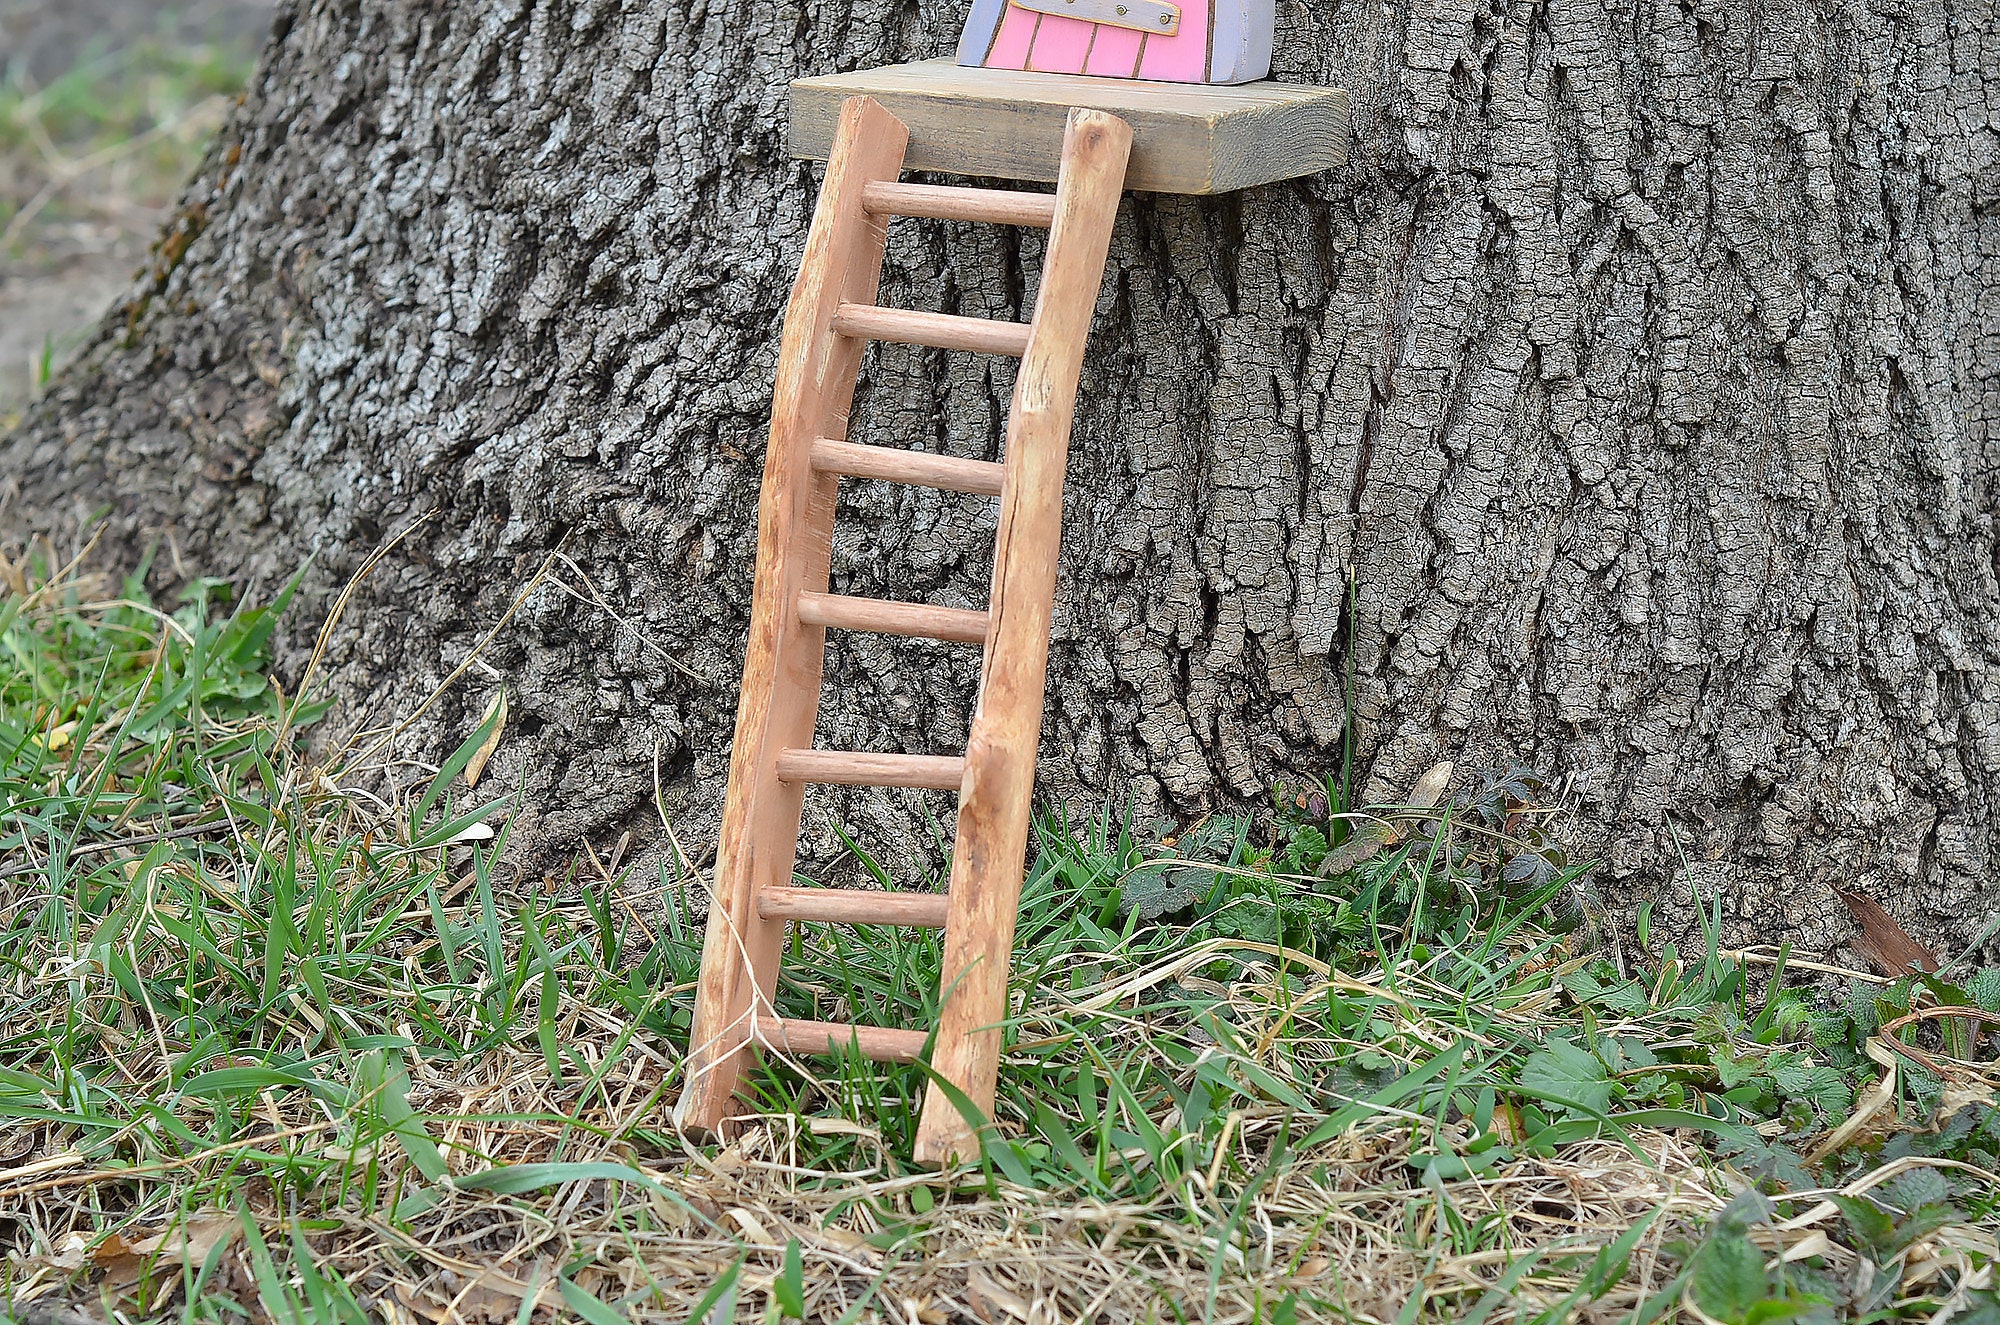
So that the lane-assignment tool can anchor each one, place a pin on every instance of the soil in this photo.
(77, 255)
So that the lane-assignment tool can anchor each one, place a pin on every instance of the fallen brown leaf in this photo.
(1370, 838)
(992, 1303)
(20, 1145)
(1883, 942)
(1366, 843)
(477, 764)
(125, 1261)
(1429, 789)
(1865, 1108)
(491, 1298)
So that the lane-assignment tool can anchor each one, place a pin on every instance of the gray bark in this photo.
(1639, 373)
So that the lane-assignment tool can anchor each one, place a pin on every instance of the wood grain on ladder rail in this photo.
(881, 1043)
(811, 397)
(831, 313)
(871, 768)
(946, 203)
(884, 617)
(854, 906)
(991, 844)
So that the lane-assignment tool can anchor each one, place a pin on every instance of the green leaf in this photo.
(993, 1148)
(1062, 1146)
(1734, 1072)
(1449, 1167)
(1873, 1227)
(456, 764)
(1729, 1277)
(381, 1078)
(253, 628)
(1564, 1073)
(587, 1304)
(1254, 918)
(1607, 1268)
(224, 1082)
(1982, 1307)
(272, 1291)
(1773, 1310)
(513, 1179)
(1154, 891)
(788, 1290)
(1306, 849)
(449, 830)
(719, 1302)
(1388, 1097)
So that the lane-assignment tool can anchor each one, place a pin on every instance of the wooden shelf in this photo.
(993, 122)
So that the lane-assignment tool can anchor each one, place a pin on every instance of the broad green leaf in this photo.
(1873, 1227)
(1777, 1310)
(1729, 1276)
(1561, 1071)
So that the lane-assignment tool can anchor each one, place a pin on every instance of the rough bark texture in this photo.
(1639, 374)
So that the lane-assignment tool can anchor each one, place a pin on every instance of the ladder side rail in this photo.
(812, 393)
(991, 841)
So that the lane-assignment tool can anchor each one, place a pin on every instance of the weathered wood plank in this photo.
(1185, 138)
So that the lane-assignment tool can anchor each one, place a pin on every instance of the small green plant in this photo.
(1731, 1283)
(228, 984)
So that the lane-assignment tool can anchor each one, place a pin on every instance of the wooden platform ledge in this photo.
(1185, 138)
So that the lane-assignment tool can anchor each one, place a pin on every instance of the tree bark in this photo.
(1625, 408)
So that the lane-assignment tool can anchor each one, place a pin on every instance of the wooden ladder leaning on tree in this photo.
(831, 314)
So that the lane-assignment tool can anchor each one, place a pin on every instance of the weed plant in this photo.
(282, 1037)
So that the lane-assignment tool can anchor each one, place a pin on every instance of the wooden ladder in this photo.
(831, 314)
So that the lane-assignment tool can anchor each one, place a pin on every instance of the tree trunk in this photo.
(1635, 383)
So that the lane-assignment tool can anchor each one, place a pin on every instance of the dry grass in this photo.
(270, 1047)
(1345, 1221)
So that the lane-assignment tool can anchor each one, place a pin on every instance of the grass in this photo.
(119, 130)
(90, 163)
(285, 1037)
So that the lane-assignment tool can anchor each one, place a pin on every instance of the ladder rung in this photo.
(949, 472)
(853, 906)
(999, 206)
(890, 618)
(880, 1043)
(867, 768)
(943, 331)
